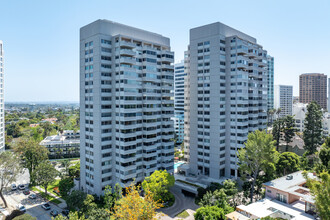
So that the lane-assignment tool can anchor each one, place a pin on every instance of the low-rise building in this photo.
(286, 197)
(65, 145)
(51, 120)
(296, 146)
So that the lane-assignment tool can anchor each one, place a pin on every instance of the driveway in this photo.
(181, 203)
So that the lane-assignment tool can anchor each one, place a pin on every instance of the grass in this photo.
(50, 188)
(48, 197)
(191, 184)
(183, 214)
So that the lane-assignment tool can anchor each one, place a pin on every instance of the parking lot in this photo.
(33, 206)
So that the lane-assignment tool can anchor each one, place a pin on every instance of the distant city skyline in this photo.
(41, 39)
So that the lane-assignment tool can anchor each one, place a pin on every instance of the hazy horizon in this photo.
(41, 38)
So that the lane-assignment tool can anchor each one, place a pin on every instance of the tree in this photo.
(289, 129)
(44, 174)
(98, 214)
(270, 114)
(320, 189)
(10, 168)
(230, 189)
(47, 126)
(324, 155)
(72, 216)
(258, 155)
(159, 183)
(312, 133)
(66, 164)
(277, 131)
(288, 162)
(76, 200)
(110, 198)
(88, 204)
(31, 154)
(210, 213)
(216, 198)
(74, 171)
(132, 206)
(65, 185)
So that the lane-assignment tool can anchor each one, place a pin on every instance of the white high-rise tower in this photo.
(225, 97)
(126, 105)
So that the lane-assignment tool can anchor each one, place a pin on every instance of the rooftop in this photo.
(293, 184)
(274, 208)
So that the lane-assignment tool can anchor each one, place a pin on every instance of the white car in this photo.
(13, 187)
(21, 207)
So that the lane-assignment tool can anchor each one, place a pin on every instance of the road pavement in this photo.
(181, 203)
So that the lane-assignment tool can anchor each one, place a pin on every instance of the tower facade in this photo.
(179, 75)
(226, 94)
(284, 99)
(313, 87)
(270, 80)
(126, 105)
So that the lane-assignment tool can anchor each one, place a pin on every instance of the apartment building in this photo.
(313, 87)
(283, 99)
(225, 98)
(126, 105)
(2, 101)
(63, 145)
(270, 84)
(179, 75)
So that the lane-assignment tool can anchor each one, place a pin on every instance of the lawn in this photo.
(183, 214)
(50, 188)
(43, 195)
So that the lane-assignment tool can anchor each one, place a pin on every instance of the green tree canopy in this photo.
(289, 129)
(76, 200)
(44, 174)
(74, 171)
(288, 162)
(312, 133)
(210, 213)
(320, 189)
(32, 154)
(158, 184)
(324, 154)
(65, 185)
(258, 155)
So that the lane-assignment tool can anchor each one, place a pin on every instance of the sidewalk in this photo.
(62, 205)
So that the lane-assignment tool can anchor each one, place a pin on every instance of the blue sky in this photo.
(42, 37)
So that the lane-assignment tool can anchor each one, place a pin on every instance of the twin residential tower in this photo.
(126, 101)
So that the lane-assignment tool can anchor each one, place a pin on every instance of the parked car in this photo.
(65, 212)
(21, 207)
(46, 206)
(13, 187)
(21, 187)
(54, 213)
(32, 196)
(26, 192)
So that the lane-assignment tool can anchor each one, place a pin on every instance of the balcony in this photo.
(127, 52)
(127, 44)
(127, 60)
